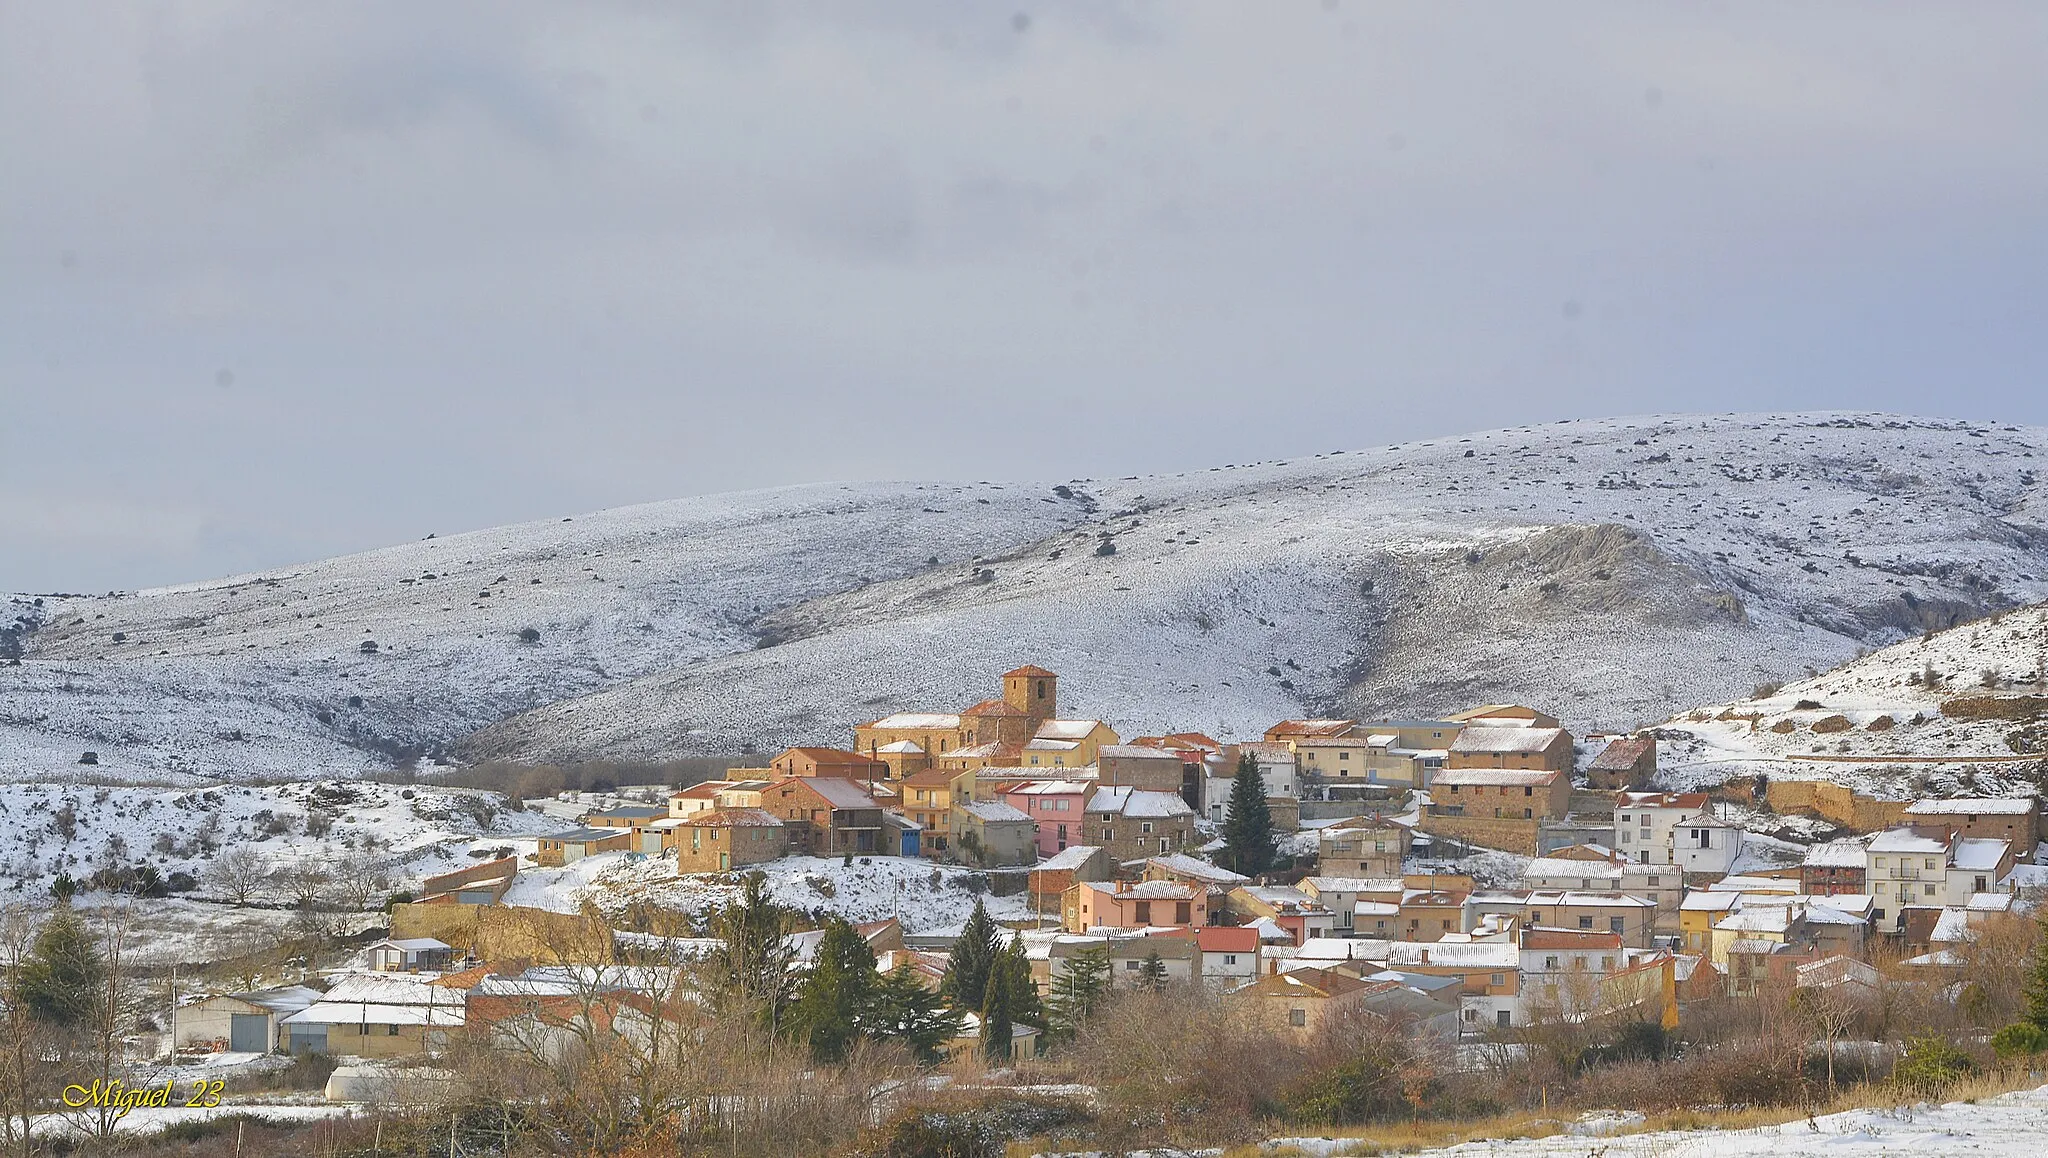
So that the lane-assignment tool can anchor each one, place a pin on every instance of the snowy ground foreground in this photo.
(150, 1120)
(1617, 570)
(2008, 1126)
(1891, 711)
(927, 898)
(408, 832)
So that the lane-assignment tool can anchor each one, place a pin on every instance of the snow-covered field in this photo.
(927, 898)
(1877, 723)
(2008, 1126)
(1617, 571)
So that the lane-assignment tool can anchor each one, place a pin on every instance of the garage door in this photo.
(309, 1039)
(250, 1033)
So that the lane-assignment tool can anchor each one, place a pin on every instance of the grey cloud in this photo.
(469, 263)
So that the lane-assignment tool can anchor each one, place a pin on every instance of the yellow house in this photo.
(1067, 744)
(1697, 914)
(928, 800)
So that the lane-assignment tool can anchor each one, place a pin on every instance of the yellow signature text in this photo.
(119, 1096)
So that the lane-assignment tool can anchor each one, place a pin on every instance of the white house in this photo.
(1704, 843)
(1643, 823)
(1975, 865)
(1219, 772)
(1903, 867)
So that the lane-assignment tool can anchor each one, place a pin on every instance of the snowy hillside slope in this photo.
(1896, 723)
(1616, 570)
(266, 675)
(405, 833)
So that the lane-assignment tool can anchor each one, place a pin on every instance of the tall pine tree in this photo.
(1077, 991)
(835, 1003)
(752, 960)
(904, 1009)
(1010, 999)
(974, 953)
(63, 980)
(1248, 831)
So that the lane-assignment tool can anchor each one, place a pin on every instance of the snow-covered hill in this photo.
(1618, 571)
(401, 834)
(1961, 712)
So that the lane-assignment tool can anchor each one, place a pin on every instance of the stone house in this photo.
(1133, 823)
(826, 817)
(994, 833)
(723, 839)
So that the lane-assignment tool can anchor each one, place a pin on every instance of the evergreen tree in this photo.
(996, 1026)
(1010, 999)
(974, 952)
(835, 1002)
(1024, 1003)
(2037, 978)
(1152, 974)
(904, 1009)
(1248, 832)
(62, 983)
(1077, 991)
(752, 961)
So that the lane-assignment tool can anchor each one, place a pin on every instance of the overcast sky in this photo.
(279, 281)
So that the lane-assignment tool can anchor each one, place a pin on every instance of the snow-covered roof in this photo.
(1978, 854)
(838, 793)
(1318, 949)
(726, 818)
(1071, 857)
(1906, 840)
(1621, 755)
(1185, 865)
(1688, 801)
(1047, 788)
(1135, 752)
(1506, 777)
(1355, 884)
(285, 999)
(1545, 867)
(1952, 927)
(993, 811)
(413, 944)
(1754, 946)
(1148, 890)
(1974, 806)
(1504, 740)
(902, 747)
(1042, 744)
(1760, 919)
(1835, 854)
(1138, 802)
(1455, 954)
(449, 1014)
(1990, 902)
(1577, 897)
(934, 721)
(1376, 909)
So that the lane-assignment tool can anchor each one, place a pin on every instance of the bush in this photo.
(1930, 1066)
(2020, 1040)
(981, 1130)
(529, 634)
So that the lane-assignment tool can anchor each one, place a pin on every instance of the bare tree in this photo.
(235, 873)
(21, 1064)
(359, 879)
(304, 880)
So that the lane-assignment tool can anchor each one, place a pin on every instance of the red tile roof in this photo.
(1032, 670)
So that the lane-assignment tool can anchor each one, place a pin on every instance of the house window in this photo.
(1528, 792)
(1550, 963)
(1614, 924)
(1927, 889)
(1145, 827)
(391, 1030)
(1133, 966)
(1143, 912)
(1654, 882)
(1230, 958)
(1501, 1018)
(1878, 863)
(1497, 979)
(1585, 922)
(1297, 1017)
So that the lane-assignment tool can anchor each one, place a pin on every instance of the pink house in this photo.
(1056, 806)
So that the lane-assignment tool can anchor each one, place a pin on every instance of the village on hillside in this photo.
(1476, 875)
